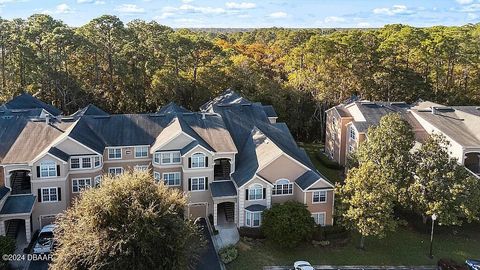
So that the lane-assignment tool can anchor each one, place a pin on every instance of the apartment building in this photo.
(231, 159)
(347, 126)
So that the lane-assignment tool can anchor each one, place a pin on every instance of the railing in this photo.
(474, 173)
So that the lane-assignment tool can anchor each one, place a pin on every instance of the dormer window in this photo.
(198, 160)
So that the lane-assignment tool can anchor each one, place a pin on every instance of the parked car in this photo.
(473, 264)
(302, 265)
(45, 242)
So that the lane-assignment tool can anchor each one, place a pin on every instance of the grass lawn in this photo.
(313, 150)
(403, 247)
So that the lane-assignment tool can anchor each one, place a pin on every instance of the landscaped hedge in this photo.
(330, 233)
(228, 254)
(328, 162)
(254, 233)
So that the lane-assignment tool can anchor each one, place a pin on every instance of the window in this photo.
(282, 187)
(351, 148)
(198, 183)
(48, 169)
(157, 176)
(115, 153)
(97, 162)
(255, 192)
(116, 171)
(141, 151)
(141, 168)
(319, 196)
(353, 134)
(253, 218)
(319, 218)
(156, 158)
(170, 157)
(86, 162)
(74, 163)
(172, 179)
(49, 194)
(80, 184)
(198, 160)
(97, 180)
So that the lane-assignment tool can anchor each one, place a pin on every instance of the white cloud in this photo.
(63, 8)
(472, 16)
(199, 9)
(278, 15)
(242, 5)
(363, 25)
(334, 19)
(165, 15)
(129, 9)
(473, 8)
(394, 10)
(96, 2)
(464, 2)
(99, 2)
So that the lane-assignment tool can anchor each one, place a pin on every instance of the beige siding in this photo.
(197, 210)
(177, 143)
(282, 167)
(48, 208)
(326, 207)
(63, 167)
(71, 147)
(251, 202)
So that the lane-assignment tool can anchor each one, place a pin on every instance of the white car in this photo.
(302, 265)
(45, 241)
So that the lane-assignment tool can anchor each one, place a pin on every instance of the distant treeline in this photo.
(139, 66)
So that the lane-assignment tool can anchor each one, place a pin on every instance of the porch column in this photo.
(236, 219)
(28, 233)
(269, 196)
(215, 218)
(2, 228)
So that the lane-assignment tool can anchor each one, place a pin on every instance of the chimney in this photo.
(203, 116)
(434, 110)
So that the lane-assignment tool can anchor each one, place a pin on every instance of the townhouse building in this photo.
(347, 126)
(231, 159)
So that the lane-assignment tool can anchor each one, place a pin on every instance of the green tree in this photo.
(129, 222)
(368, 200)
(287, 224)
(443, 187)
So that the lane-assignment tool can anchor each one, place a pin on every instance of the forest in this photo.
(139, 66)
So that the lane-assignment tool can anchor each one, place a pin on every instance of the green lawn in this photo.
(403, 247)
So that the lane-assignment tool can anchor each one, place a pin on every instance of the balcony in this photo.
(222, 169)
(472, 163)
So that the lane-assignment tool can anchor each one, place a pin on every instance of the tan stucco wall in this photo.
(48, 208)
(63, 166)
(321, 207)
(282, 167)
(71, 147)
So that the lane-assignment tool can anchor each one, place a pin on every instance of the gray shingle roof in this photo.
(18, 204)
(10, 129)
(90, 109)
(3, 192)
(307, 179)
(270, 111)
(27, 101)
(256, 208)
(59, 153)
(29, 113)
(172, 108)
(223, 189)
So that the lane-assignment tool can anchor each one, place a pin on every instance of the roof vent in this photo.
(203, 116)
(434, 110)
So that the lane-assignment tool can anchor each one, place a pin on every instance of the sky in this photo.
(255, 13)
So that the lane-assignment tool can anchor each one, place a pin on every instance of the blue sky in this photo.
(256, 13)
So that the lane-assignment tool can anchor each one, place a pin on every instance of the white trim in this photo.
(171, 153)
(115, 168)
(92, 162)
(179, 178)
(289, 183)
(48, 176)
(251, 213)
(198, 177)
(325, 181)
(174, 136)
(249, 193)
(319, 202)
(126, 160)
(253, 178)
(324, 218)
(196, 146)
(85, 178)
(114, 148)
(49, 201)
(205, 157)
(46, 154)
(84, 145)
(135, 151)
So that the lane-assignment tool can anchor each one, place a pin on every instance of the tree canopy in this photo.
(139, 66)
(129, 222)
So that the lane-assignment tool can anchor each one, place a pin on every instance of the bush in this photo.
(7, 246)
(228, 254)
(288, 224)
(254, 233)
(448, 264)
(318, 234)
(331, 164)
(335, 232)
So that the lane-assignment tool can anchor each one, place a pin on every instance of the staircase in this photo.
(20, 183)
(229, 212)
(12, 228)
(222, 170)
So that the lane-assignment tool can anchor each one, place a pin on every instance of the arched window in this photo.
(255, 192)
(282, 187)
(198, 160)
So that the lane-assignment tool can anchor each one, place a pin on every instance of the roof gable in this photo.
(27, 101)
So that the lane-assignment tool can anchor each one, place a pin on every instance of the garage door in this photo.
(45, 220)
(197, 210)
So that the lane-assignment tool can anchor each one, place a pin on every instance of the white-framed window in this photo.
(48, 169)
(198, 183)
(198, 160)
(141, 151)
(97, 162)
(253, 219)
(255, 192)
(86, 162)
(74, 163)
(115, 171)
(319, 218)
(81, 184)
(156, 158)
(282, 187)
(353, 133)
(319, 196)
(172, 178)
(97, 181)
(157, 176)
(50, 194)
(170, 158)
(115, 153)
(141, 168)
(83, 162)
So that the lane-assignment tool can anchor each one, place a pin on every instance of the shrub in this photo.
(228, 254)
(7, 246)
(331, 164)
(254, 233)
(335, 232)
(288, 224)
